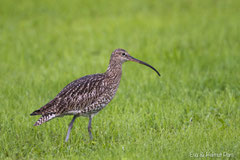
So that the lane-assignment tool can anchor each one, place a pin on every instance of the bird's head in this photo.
(121, 56)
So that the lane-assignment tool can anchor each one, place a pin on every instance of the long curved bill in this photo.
(130, 58)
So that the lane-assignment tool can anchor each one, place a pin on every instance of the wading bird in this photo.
(88, 95)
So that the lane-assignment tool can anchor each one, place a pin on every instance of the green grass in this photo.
(193, 108)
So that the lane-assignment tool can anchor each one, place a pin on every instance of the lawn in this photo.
(191, 111)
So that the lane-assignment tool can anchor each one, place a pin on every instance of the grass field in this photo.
(192, 110)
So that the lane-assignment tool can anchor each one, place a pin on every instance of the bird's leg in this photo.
(90, 127)
(70, 128)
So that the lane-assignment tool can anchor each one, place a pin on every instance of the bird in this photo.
(87, 95)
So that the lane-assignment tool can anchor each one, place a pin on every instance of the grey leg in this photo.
(90, 127)
(70, 128)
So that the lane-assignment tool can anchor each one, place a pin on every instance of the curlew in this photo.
(88, 95)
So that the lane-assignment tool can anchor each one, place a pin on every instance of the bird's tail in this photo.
(44, 119)
(37, 112)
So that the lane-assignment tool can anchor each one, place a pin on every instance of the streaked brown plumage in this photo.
(86, 96)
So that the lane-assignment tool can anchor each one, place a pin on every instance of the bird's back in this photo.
(76, 96)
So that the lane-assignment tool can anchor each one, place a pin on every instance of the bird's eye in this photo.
(123, 54)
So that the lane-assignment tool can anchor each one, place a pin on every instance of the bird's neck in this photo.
(114, 70)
